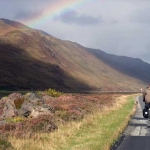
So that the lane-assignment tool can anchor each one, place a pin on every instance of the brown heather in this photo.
(84, 132)
(68, 107)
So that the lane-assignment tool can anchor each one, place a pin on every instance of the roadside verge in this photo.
(97, 131)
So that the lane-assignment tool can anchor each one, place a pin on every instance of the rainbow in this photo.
(53, 9)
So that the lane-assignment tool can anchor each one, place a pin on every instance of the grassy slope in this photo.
(95, 132)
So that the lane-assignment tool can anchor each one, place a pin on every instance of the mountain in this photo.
(133, 67)
(33, 59)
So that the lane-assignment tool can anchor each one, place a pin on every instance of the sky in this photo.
(120, 27)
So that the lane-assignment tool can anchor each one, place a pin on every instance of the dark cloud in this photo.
(23, 15)
(72, 17)
(22, 10)
(141, 16)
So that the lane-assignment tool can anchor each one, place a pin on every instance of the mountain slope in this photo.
(34, 59)
(133, 67)
(21, 71)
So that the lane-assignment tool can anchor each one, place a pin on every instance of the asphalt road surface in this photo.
(137, 135)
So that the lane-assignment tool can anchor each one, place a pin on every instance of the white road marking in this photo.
(136, 131)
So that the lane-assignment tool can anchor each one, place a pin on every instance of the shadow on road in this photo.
(139, 118)
(136, 124)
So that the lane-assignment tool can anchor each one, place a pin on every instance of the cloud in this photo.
(23, 15)
(141, 16)
(22, 10)
(119, 27)
(72, 17)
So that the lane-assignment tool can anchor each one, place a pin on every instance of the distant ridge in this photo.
(15, 24)
(134, 67)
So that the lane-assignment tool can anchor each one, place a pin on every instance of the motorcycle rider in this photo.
(146, 96)
(146, 99)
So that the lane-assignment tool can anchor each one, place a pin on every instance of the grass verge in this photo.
(97, 131)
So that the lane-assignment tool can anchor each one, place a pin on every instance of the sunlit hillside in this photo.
(33, 59)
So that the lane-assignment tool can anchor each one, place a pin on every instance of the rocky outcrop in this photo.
(30, 112)
(29, 105)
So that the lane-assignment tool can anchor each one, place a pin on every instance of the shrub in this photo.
(16, 119)
(53, 93)
(39, 93)
(18, 102)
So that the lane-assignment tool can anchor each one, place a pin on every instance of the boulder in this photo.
(39, 111)
(27, 106)
(9, 110)
(31, 96)
(10, 113)
(14, 96)
(34, 99)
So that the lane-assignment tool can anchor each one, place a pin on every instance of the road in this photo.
(137, 135)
